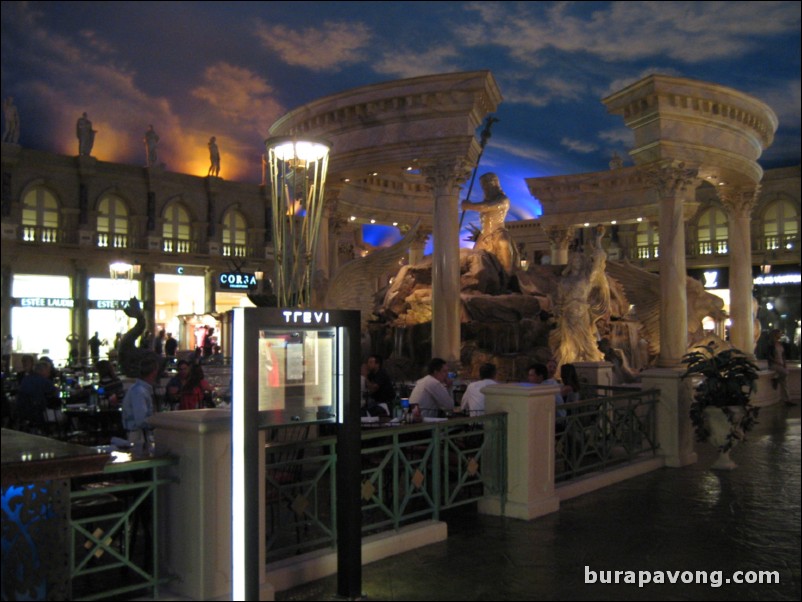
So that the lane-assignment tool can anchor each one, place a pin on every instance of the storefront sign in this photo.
(305, 317)
(110, 304)
(44, 302)
(777, 279)
(237, 281)
(711, 278)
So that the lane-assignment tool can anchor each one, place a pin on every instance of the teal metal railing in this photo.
(409, 473)
(107, 517)
(610, 427)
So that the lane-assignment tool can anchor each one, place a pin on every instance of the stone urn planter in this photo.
(724, 427)
(721, 413)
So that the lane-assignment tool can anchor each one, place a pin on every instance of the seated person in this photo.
(431, 393)
(538, 374)
(109, 381)
(194, 390)
(27, 367)
(473, 400)
(36, 394)
(177, 382)
(570, 383)
(379, 387)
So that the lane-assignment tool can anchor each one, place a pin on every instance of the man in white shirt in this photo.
(473, 400)
(432, 393)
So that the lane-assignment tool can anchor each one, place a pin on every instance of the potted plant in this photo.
(721, 412)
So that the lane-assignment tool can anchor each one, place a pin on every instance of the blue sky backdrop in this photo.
(230, 69)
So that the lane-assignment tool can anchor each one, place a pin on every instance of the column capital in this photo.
(560, 235)
(672, 177)
(446, 173)
(738, 200)
(420, 236)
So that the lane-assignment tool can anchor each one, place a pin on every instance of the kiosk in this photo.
(294, 366)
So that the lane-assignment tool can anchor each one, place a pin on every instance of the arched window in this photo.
(40, 216)
(781, 225)
(177, 230)
(711, 232)
(112, 222)
(235, 234)
(647, 240)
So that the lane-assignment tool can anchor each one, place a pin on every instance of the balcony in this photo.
(43, 234)
(177, 245)
(107, 240)
(230, 250)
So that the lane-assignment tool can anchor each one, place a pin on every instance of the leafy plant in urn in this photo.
(721, 412)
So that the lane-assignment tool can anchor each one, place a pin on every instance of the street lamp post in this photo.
(297, 178)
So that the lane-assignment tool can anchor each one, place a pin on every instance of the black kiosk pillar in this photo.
(294, 366)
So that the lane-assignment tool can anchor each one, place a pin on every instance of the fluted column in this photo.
(738, 202)
(674, 183)
(149, 297)
(209, 291)
(80, 315)
(323, 251)
(560, 239)
(445, 178)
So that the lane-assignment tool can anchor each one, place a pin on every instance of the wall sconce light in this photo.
(120, 269)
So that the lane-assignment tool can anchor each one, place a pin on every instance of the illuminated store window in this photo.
(781, 226)
(712, 232)
(112, 222)
(40, 216)
(177, 230)
(41, 315)
(235, 234)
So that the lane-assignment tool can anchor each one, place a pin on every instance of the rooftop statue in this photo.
(151, 142)
(494, 236)
(11, 133)
(214, 158)
(85, 134)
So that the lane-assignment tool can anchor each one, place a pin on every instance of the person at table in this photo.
(36, 394)
(538, 374)
(108, 380)
(381, 393)
(177, 382)
(473, 400)
(28, 363)
(432, 393)
(194, 390)
(138, 403)
(570, 383)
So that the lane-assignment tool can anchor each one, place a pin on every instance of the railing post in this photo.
(530, 449)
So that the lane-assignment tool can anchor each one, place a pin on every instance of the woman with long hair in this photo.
(194, 390)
